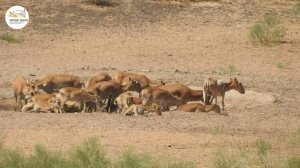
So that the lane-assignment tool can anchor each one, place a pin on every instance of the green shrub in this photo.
(283, 65)
(11, 38)
(45, 159)
(225, 159)
(293, 162)
(133, 160)
(263, 147)
(180, 165)
(267, 31)
(295, 140)
(12, 159)
(297, 7)
(90, 155)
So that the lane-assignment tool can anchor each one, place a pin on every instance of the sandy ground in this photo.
(177, 43)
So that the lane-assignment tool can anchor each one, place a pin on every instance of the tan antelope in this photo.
(110, 90)
(199, 107)
(164, 98)
(219, 88)
(23, 90)
(135, 109)
(75, 106)
(136, 100)
(185, 93)
(53, 82)
(77, 95)
(99, 77)
(126, 99)
(43, 103)
(123, 77)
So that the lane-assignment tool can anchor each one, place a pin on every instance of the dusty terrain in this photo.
(179, 43)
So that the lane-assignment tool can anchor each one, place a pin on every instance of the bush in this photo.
(45, 159)
(297, 8)
(90, 154)
(267, 31)
(12, 159)
(295, 140)
(226, 159)
(133, 160)
(293, 162)
(263, 147)
(11, 38)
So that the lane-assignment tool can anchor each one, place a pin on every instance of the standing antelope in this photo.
(218, 88)
(110, 90)
(185, 93)
(77, 95)
(23, 90)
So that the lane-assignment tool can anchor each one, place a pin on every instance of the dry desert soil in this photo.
(174, 42)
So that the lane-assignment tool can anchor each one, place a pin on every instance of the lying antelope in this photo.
(135, 109)
(23, 90)
(199, 107)
(77, 95)
(218, 88)
(43, 103)
(53, 82)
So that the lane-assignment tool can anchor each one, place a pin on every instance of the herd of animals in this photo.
(124, 92)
